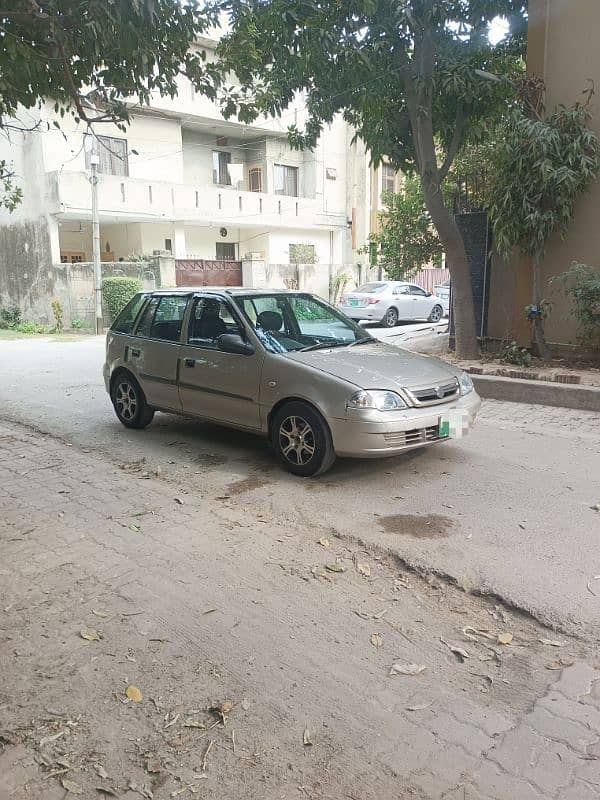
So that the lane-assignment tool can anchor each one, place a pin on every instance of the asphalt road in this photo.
(505, 510)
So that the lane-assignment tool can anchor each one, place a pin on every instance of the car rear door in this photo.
(422, 304)
(213, 384)
(403, 301)
(154, 351)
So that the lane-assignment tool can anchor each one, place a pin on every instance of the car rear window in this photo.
(125, 320)
(368, 288)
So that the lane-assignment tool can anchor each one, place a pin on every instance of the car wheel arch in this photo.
(118, 372)
(292, 399)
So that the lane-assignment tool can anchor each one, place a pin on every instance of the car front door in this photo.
(154, 350)
(422, 304)
(214, 384)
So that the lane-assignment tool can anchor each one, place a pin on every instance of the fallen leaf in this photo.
(144, 790)
(419, 708)
(105, 790)
(377, 640)
(505, 638)
(153, 766)
(52, 738)
(459, 652)
(70, 786)
(324, 542)
(134, 694)
(307, 737)
(364, 569)
(552, 642)
(101, 614)
(102, 773)
(193, 723)
(90, 634)
(554, 664)
(595, 507)
(407, 669)
(335, 567)
(6, 737)
(178, 500)
(134, 527)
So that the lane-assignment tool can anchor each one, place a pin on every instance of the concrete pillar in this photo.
(254, 273)
(179, 246)
(166, 266)
(54, 239)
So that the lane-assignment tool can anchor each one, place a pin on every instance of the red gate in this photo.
(200, 272)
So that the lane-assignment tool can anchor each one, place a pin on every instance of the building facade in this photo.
(183, 180)
(563, 49)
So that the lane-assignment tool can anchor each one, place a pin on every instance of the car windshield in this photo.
(371, 288)
(285, 323)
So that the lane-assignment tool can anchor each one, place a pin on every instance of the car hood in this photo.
(378, 366)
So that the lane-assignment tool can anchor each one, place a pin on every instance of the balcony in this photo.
(134, 200)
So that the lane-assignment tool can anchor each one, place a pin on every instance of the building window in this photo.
(330, 173)
(225, 251)
(302, 254)
(388, 178)
(221, 162)
(168, 246)
(286, 180)
(113, 155)
(255, 183)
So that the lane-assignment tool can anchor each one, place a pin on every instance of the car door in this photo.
(422, 304)
(213, 384)
(154, 352)
(402, 301)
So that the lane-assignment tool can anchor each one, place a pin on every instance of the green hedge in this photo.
(117, 292)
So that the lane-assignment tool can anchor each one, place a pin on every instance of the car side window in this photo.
(168, 318)
(401, 290)
(145, 324)
(418, 291)
(127, 317)
(210, 319)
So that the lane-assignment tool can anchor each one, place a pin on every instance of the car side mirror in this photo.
(429, 294)
(233, 343)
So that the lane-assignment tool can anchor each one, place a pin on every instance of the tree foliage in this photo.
(406, 240)
(415, 78)
(582, 284)
(91, 56)
(542, 165)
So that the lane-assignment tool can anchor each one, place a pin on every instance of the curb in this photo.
(513, 390)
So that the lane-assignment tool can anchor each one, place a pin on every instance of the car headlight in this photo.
(466, 384)
(378, 399)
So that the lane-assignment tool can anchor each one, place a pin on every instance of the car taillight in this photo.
(343, 300)
(372, 301)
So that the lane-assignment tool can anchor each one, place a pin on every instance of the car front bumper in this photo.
(388, 433)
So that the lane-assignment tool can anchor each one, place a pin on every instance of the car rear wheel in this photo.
(129, 402)
(390, 319)
(302, 439)
(437, 312)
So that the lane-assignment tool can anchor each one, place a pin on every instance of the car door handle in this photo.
(135, 353)
(189, 362)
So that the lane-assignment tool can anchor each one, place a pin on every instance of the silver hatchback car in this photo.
(285, 365)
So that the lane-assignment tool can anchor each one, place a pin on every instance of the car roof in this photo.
(232, 290)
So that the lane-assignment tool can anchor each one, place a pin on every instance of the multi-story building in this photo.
(183, 179)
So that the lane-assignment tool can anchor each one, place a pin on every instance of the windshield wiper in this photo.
(321, 346)
(366, 340)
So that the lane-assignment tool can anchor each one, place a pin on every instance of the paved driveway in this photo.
(506, 510)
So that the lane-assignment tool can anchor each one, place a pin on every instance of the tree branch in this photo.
(454, 146)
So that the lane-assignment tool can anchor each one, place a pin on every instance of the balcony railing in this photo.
(146, 200)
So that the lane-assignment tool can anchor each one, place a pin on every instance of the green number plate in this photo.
(444, 429)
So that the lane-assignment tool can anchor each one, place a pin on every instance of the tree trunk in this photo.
(456, 258)
(538, 337)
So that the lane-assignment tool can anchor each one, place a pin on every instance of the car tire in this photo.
(129, 402)
(390, 319)
(301, 439)
(437, 312)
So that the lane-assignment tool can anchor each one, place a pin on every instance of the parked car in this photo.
(388, 302)
(285, 365)
(443, 292)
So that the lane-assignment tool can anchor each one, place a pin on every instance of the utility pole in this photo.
(94, 162)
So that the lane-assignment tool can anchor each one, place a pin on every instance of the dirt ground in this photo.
(163, 645)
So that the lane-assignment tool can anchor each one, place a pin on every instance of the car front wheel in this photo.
(390, 319)
(437, 312)
(302, 440)
(129, 402)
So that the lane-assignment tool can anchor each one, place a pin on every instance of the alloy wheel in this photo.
(126, 401)
(297, 440)
(436, 314)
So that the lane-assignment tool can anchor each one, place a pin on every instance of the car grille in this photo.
(436, 394)
(412, 437)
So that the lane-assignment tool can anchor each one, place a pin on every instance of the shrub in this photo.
(10, 316)
(582, 284)
(516, 355)
(117, 292)
(31, 327)
(78, 324)
(57, 310)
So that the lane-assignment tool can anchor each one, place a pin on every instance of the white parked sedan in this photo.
(387, 302)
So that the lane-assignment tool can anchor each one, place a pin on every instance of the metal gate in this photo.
(200, 272)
